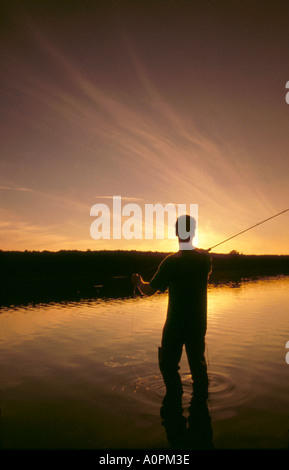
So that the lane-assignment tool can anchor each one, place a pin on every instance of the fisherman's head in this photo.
(185, 228)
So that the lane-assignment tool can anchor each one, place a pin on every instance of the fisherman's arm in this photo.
(144, 287)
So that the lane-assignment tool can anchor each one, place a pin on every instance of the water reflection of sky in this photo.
(111, 347)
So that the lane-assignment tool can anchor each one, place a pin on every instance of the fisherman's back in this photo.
(185, 275)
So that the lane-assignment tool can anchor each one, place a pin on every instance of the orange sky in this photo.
(177, 102)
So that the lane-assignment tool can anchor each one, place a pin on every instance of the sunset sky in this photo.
(164, 101)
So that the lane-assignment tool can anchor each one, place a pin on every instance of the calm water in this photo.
(85, 374)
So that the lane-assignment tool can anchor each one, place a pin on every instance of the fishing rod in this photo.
(242, 231)
(247, 229)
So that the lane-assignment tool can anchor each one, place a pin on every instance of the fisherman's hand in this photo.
(136, 279)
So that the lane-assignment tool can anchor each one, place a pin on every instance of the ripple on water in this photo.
(141, 379)
(226, 394)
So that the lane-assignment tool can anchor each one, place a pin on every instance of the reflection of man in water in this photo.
(185, 274)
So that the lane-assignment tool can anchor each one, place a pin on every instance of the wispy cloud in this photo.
(31, 236)
(125, 198)
(15, 188)
(143, 142)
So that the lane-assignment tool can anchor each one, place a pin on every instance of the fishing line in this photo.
(247, 229)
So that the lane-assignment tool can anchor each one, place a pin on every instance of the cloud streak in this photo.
(11, 188)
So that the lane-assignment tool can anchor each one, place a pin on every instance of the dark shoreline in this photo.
(34, 276)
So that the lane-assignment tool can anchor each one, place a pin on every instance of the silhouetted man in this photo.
(185, 273)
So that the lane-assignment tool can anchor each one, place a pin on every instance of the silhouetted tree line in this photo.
(91, 273)
(101, 265)
(64, 264)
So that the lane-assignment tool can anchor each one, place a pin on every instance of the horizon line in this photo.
(89, 250)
